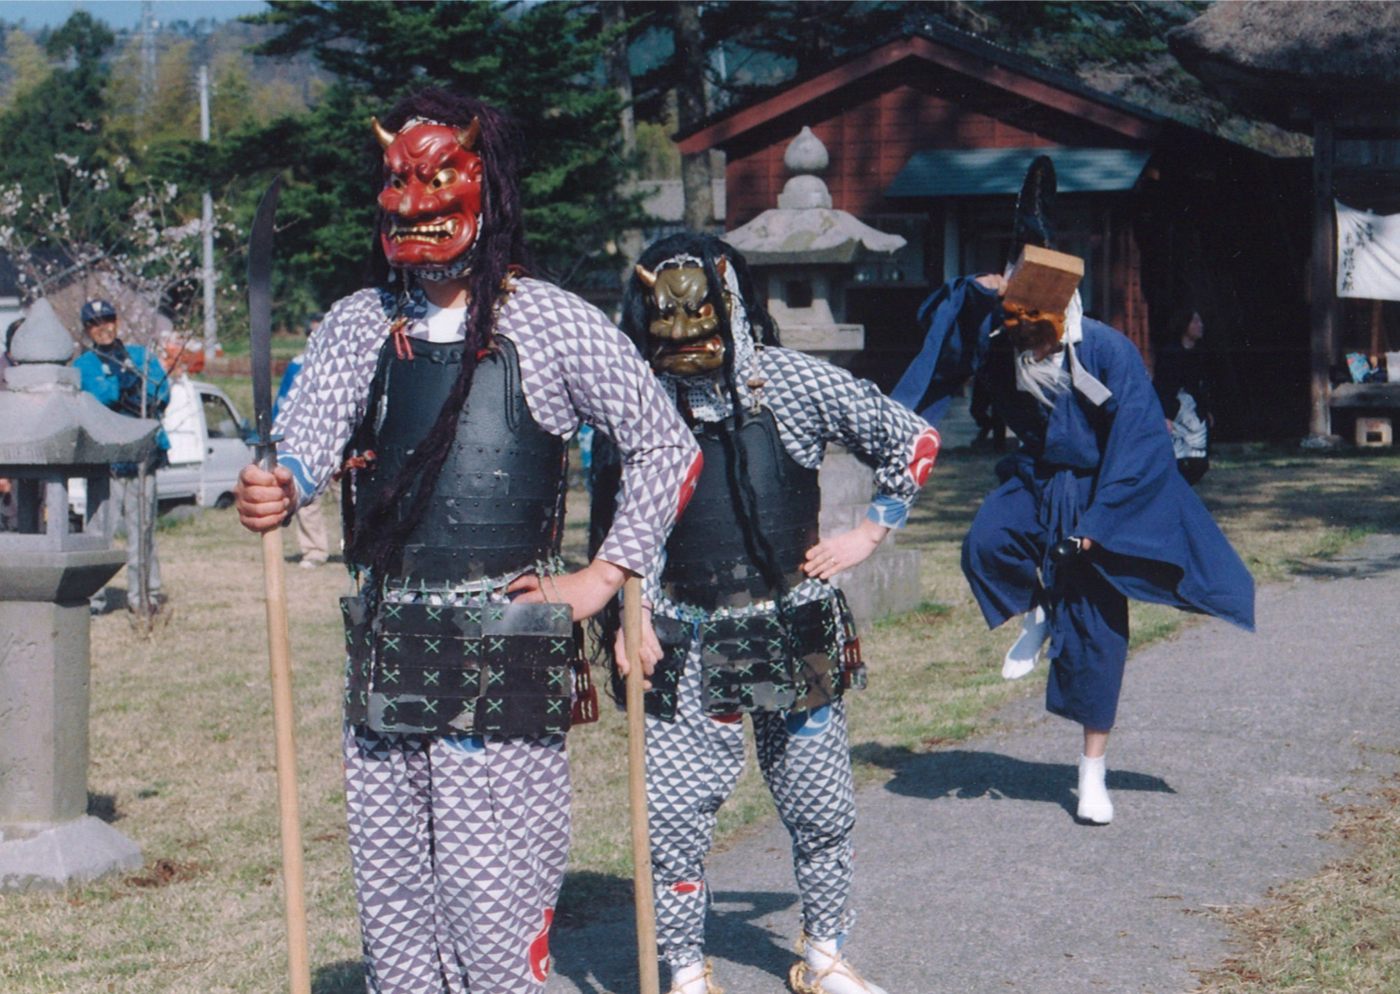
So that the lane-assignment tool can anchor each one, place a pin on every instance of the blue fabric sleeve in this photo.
(956, 319)
(890, 511)
(96, 380)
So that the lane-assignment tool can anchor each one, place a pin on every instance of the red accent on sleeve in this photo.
(688, 485)
(925, 454)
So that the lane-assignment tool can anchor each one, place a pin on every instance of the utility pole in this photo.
(211, 328)
(148, 55)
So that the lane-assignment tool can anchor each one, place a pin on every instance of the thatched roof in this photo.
(1291, 62)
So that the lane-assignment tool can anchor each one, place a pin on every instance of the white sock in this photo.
(689, 979)
(819, 955)
(1094, 803)
(1025, 651)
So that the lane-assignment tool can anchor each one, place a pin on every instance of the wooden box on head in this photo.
(1043, 280)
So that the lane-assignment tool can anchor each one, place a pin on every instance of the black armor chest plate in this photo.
(498, 503)
(711, 554)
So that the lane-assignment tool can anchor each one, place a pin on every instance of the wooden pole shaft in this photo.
(288, 810)
(637, 789)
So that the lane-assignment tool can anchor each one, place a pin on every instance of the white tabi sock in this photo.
(1024, 653)
(1095, 806)
(827, 971)
(693, 978)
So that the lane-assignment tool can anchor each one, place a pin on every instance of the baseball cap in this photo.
(97, 311)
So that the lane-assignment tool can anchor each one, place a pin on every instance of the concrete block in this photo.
(885, 584)
(834, 520)
(888, 582)
(844, 479)
(72, 852)
(1373, 432)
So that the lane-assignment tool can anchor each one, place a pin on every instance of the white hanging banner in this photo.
(1368, 254)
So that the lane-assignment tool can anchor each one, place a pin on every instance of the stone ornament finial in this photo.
(806, 153)
(805, 156)
(42, 337)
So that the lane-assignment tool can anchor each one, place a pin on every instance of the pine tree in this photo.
(541, 63)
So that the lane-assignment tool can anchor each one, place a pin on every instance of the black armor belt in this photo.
(762, 661)
(486, 669)
(712, 586)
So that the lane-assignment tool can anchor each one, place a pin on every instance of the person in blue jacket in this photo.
(1089, 512)
(129, 380)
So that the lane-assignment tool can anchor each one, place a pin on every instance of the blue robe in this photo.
(1097, 467)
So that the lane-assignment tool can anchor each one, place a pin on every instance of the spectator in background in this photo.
(1182, 385)
(130, 381)
(310, 521)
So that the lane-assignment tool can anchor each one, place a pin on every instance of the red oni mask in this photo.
(432, 193)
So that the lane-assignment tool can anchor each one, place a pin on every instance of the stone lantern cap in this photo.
(813, 235)
(45, 417)
(804, 228)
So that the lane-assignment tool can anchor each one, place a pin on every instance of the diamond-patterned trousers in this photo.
(458, 846)
(693, 765)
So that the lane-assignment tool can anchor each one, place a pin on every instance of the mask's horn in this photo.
(646, 275)
(466, 137)
(385, 136)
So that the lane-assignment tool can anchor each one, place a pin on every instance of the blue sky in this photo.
(123, 13)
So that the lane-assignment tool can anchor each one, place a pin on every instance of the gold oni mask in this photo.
(684, 332)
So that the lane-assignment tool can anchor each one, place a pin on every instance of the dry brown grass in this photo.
(1338, 932)
(182, 755)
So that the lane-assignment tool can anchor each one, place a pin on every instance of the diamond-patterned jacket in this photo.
(575, 367)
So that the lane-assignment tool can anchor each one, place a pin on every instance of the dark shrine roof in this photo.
(1291, 62)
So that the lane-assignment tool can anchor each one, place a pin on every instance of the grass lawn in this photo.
(182, 750)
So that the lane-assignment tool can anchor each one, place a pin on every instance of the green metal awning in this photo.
(991, 172)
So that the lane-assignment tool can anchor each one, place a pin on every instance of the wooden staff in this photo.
(637, 788)
(288, 809)
(278, 644)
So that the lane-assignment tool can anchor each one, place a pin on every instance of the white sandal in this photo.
(804, 980)
(710, 986)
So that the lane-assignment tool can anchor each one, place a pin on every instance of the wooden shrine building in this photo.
(929, 137)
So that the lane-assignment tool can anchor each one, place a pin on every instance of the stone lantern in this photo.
(50, 431)
(803, 253)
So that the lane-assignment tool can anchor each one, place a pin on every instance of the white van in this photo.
(207, 449)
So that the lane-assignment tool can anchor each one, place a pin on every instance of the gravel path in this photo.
(973, 877)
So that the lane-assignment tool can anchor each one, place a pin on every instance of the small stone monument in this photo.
(51, 431)
(802, 253)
